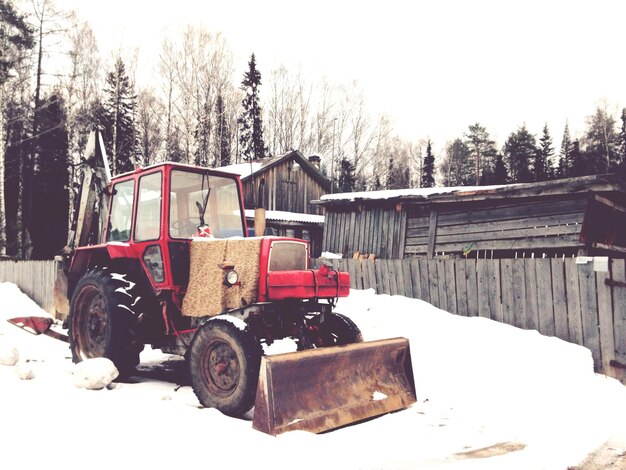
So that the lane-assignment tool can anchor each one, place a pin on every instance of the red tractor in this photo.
(161, 256)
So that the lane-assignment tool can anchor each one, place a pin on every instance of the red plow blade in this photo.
(38, 326)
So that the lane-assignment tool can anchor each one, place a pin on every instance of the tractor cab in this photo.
(154, 212)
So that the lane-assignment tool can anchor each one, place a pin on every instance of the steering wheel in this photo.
(184, 228)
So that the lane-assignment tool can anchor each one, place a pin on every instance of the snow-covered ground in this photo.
(489, 396)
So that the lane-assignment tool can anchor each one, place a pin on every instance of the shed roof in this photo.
(256, 167)
(594, 183)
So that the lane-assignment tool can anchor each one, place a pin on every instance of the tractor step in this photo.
(321, 389)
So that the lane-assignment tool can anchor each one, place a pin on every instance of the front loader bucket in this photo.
(321, 389)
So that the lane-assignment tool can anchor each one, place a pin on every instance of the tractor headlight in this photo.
(231, 278)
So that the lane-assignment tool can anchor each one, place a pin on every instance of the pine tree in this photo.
(578, 160)
(457, 168)
(15, 35)
(222, 157)
(346, 177)
(520, 149)
(481, 149)
(500, 175)
(564, 169)
(428, 168)
(543, 167)
(250, 122)
(117, 118)
(50, 191)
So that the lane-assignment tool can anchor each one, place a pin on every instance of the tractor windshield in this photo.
(202, 199)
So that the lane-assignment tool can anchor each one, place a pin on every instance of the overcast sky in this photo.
(434, 67)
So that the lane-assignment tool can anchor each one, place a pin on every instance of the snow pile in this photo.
(17, 304)
(9, 355)
(95, 374)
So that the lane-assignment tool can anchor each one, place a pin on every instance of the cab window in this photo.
(148, 223)
(121, 212)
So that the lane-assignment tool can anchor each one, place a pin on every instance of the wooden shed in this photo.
(574, 216)
(287, 182)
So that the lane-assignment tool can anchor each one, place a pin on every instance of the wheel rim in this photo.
(92, 323)
(220, 367)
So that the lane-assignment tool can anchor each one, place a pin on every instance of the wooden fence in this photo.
(565, 298)
(34, 278)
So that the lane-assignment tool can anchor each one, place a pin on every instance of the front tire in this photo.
(102, 322)
(224, 362)
(329, 329)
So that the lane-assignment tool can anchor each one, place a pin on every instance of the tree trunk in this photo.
(3, 218)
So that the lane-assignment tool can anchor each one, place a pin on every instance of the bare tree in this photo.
(149, 112)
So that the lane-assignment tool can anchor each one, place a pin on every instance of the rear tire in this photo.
(102, 323)
(224, 363)
(330, 329)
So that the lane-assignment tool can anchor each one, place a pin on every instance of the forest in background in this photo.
(55, 87)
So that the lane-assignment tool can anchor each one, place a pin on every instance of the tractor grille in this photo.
(288, 256)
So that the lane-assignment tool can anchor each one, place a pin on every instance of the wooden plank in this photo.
(506, 289)
(605, 321)
(380, 279)
(495, 299)
(472, 287)
(433, 282)
(399, 272)
(521, 233)
(451, 290)
(386, 277)
(488, 212)
(482, 278)
(393, 282)
(618, 272)
(415, 278)
(424, 280)
(559, 298)
(529, 243)
(545, 303)
(461, 288)
(371, 268)
(441, 285)
(532, 314)
(497, 225)
(402, 228)
(574, 314)
(519, 293)
(432, 234)
(376, 232)
(351, 244)
(408, 278)
(589, 308)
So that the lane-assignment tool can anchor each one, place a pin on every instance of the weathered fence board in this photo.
(557, 297)
(34, 278)
(545, 308)
(559, 302)
(618, 268)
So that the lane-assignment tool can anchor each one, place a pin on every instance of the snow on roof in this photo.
(289, 216)
(421, 192)
(242, 169)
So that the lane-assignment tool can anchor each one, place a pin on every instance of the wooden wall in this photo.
(34, 278)
(531, 224)
(411, 229)
(285, 190)
(378, 229)
(557, 297)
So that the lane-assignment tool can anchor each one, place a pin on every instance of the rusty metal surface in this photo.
(322, 389)
(38, 326)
